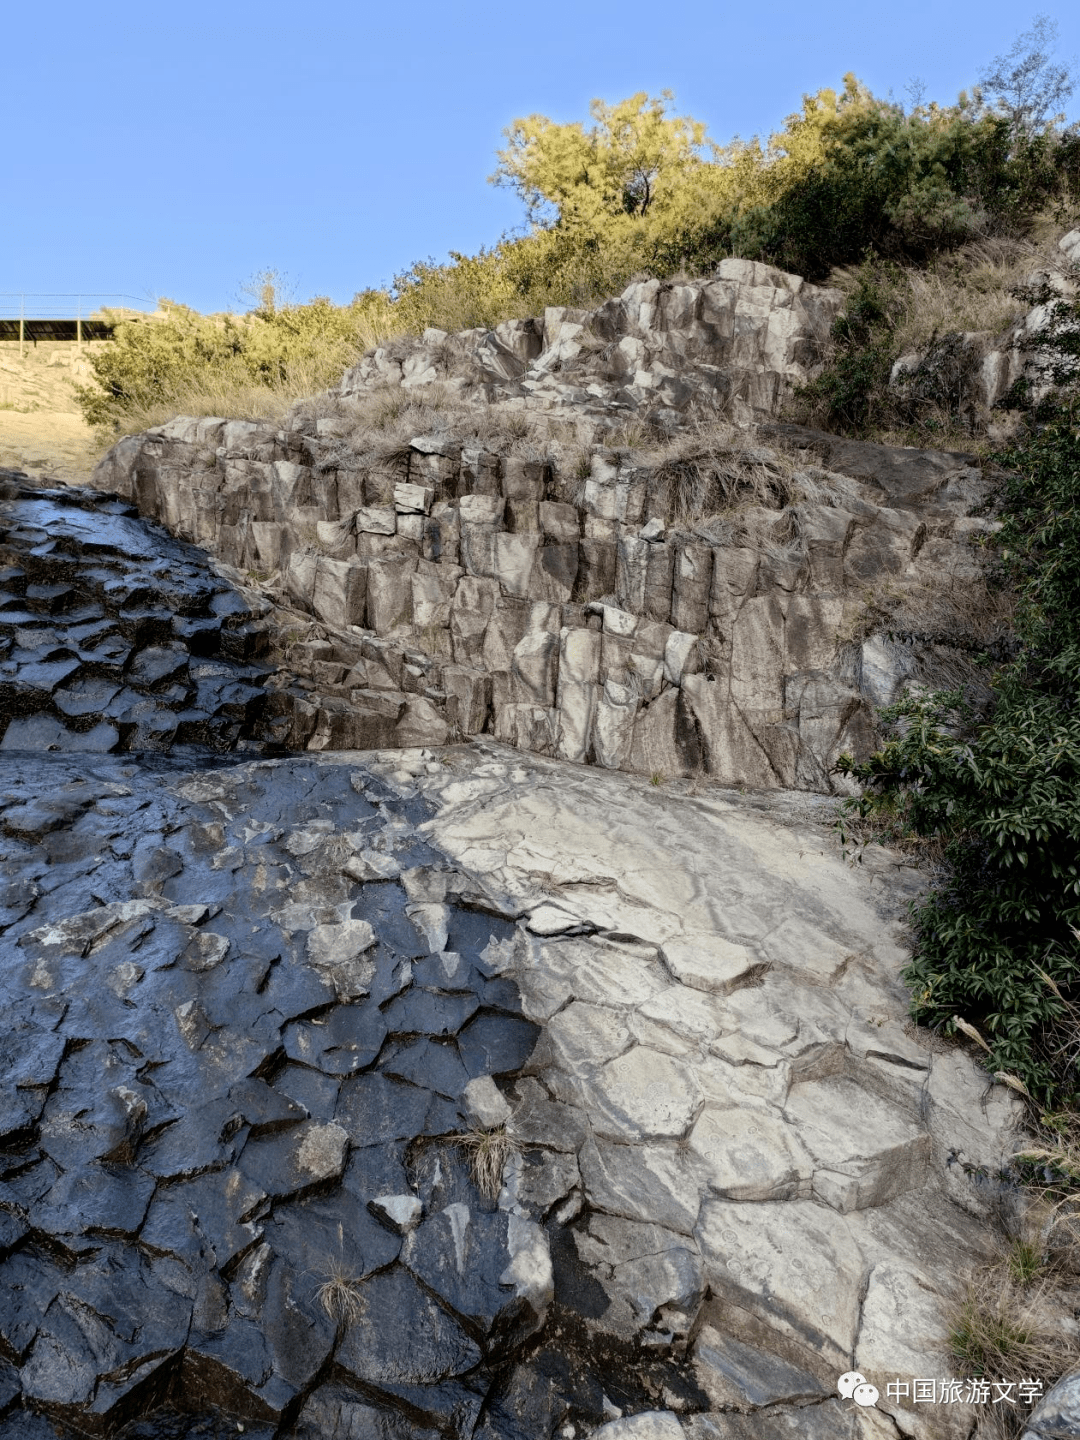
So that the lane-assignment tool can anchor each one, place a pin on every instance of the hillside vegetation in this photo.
(642, 190)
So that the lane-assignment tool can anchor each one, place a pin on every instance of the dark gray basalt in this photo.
(116, 637)
(225, 1057)
(170, 1205)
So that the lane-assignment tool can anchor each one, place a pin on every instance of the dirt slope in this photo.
(41, 429)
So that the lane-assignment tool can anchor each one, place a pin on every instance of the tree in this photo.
(630, 162)
(1028, 86)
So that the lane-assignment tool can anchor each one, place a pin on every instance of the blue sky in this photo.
(179, 150)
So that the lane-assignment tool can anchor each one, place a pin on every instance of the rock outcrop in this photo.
(254, 1008)
(114, 636)
(365, 1086)
(739, 344)
(732, 612)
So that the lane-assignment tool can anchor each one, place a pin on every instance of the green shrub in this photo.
(851, 394)
(997, 939)
(162, 363)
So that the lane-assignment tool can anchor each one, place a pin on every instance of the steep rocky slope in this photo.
(735, 610)
(264, 1005)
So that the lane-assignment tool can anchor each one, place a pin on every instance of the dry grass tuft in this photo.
(489, 1151)
(729, 487)
(997, 1330)
(713, 466)
(340, 1294)
(1006, 1327)
(968, 289)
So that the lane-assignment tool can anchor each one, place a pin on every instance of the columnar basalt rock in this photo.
(739, 342)
(251, 1024)
(114, 636)
(742, 647)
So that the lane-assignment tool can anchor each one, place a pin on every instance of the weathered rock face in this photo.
(603, 631)
(774, 1172)
(738, 343)
(252, 1007)
(114, 636)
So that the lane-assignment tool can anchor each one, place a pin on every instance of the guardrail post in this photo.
(22, 326)
(78, 327)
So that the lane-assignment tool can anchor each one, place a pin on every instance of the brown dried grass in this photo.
(488, 1151)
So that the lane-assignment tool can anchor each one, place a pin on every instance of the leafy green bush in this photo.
(851, 395)
(161, 362)
(997, 939)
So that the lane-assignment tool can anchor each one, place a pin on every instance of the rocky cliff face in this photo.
(731, 611)
(262, 1007)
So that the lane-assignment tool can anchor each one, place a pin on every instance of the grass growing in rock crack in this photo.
(488, 1152)
(1008, 1323)
(340, 1295)
(1025, 1261)
(1000, 1330)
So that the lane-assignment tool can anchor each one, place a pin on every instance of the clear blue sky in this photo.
(178, 150)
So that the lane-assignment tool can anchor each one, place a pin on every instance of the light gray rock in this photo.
(709, 962)
(786, 1260)
(485, 1103)
(656, 1275)
(389, 605)
(412, 499)
(400, 1213)
(530, 1270)
(751, 1155)
(617, 707)
(735, 1375)
(866, 1150)
(646, 1425)
(534, 668)
(376, 520)
(643, 1095)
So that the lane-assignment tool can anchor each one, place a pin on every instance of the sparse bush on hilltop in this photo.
(183, 362)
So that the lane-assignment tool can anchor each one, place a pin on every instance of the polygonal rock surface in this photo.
(751, 1155)
(400, 1336)
(302, 1158)
(708, 962)
(644, 1095)
(866, 1151)
(796, 1265)
(734, 1374)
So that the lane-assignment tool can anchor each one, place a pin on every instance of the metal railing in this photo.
(51, 315)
